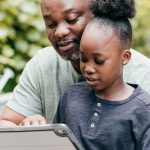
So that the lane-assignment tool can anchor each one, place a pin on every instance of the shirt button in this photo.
(95, 114)
(92, 125)
(98, 104)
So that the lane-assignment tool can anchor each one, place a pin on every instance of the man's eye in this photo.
(72, 21)
(83, 59)
(51, 25)
(99, 62)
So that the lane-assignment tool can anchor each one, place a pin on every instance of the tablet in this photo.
(42, 137)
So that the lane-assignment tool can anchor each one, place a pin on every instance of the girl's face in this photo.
(102, 58)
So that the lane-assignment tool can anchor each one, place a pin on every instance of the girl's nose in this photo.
(89, 69)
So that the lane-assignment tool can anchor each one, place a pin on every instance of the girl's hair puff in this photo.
(113, 8)
(114, 14)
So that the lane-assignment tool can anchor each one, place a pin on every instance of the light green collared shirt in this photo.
(46, 76)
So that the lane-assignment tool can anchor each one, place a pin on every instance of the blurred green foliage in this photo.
(141, 27)
(22, 33)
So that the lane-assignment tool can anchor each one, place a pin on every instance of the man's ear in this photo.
(126, 56)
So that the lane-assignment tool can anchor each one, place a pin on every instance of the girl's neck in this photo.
(121, 92)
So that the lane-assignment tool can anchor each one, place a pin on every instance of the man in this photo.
(49, 72)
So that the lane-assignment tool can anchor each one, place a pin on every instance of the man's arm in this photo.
(137, 71)
(9, 117)
(26, 100)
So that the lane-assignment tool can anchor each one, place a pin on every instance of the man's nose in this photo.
(61, 30)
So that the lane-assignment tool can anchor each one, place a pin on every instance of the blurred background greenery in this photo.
(141, 27)
(22, 33)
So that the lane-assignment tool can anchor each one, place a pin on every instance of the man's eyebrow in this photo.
(46, 17)
(70, 10)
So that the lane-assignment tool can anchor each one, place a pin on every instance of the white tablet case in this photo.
(43, 137)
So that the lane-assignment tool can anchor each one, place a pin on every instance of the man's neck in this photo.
(76, 65)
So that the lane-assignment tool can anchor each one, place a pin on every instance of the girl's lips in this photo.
(91, 81)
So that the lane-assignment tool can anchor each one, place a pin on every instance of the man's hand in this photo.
(9, 117)
(5, 123)
(33, 120)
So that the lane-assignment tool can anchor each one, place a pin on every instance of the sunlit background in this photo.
(22, 34)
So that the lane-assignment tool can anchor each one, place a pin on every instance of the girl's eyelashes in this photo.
(99, 62)
(95, 60)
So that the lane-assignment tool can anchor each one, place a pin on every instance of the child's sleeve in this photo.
(145, 142)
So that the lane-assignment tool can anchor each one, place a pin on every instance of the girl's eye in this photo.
(99, 62)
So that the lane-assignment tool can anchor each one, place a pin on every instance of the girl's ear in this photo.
(126, 56)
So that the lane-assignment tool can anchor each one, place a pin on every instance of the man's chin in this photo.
(72, 56)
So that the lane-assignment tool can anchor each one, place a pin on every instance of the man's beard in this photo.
(72, 56)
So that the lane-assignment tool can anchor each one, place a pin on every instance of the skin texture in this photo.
(33, 120)
(65, 22)
(102, 61)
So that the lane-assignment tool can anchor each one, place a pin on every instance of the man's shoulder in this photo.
(47, 64)
(144, 97)
(137, 70)
(47, 58)
(141, 98)
(139, 58)
(47, 54)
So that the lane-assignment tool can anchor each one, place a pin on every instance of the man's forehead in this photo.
(62, 7)
(65, 3)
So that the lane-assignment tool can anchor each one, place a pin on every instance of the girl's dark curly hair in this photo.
(113, 8)
(114, 14)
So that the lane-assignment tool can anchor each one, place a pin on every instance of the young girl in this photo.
(105, 113)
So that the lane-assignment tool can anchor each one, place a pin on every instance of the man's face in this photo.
(65, 21)
(102, 58)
